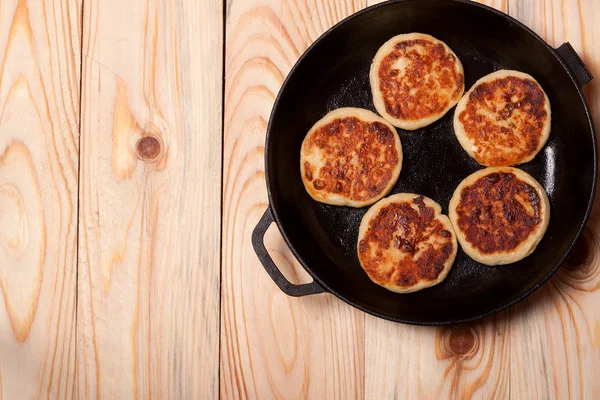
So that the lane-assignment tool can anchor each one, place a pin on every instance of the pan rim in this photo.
(441, 322)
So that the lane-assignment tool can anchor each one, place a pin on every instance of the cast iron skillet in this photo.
(333, 73)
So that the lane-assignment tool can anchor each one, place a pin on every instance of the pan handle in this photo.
(286, 286)
(576, 65)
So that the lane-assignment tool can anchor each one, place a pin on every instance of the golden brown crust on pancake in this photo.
(498, 212)
(415, 80)
(396, 88)
(405, 244)
(499, 215)
(504, 119)
(350, 157)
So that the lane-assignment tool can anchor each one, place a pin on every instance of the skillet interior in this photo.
(334, 73)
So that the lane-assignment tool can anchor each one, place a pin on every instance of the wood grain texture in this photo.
(148, 302)
(274, 346)
(39, 146)
(149, 176)
(548, 346)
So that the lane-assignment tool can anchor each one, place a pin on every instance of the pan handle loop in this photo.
(576, 65)
(286, 286)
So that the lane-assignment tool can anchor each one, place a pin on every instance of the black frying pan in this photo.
(333, 73)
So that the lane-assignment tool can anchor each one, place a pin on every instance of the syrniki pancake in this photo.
(415, 79)
(405, 244)
(499, 214)
(350, 157)
(504, 119)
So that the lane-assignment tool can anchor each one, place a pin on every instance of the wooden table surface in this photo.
(131, 177)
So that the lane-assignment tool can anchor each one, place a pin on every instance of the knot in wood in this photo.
(461, 341)
(148, 148)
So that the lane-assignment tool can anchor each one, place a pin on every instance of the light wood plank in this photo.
(273, 346)
(149, 263)
(39, 151)
(545, 347)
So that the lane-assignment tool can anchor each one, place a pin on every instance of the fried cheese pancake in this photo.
(406, 244)
(499, 214)
(415, 79)
(351, 157)
(504, 119)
